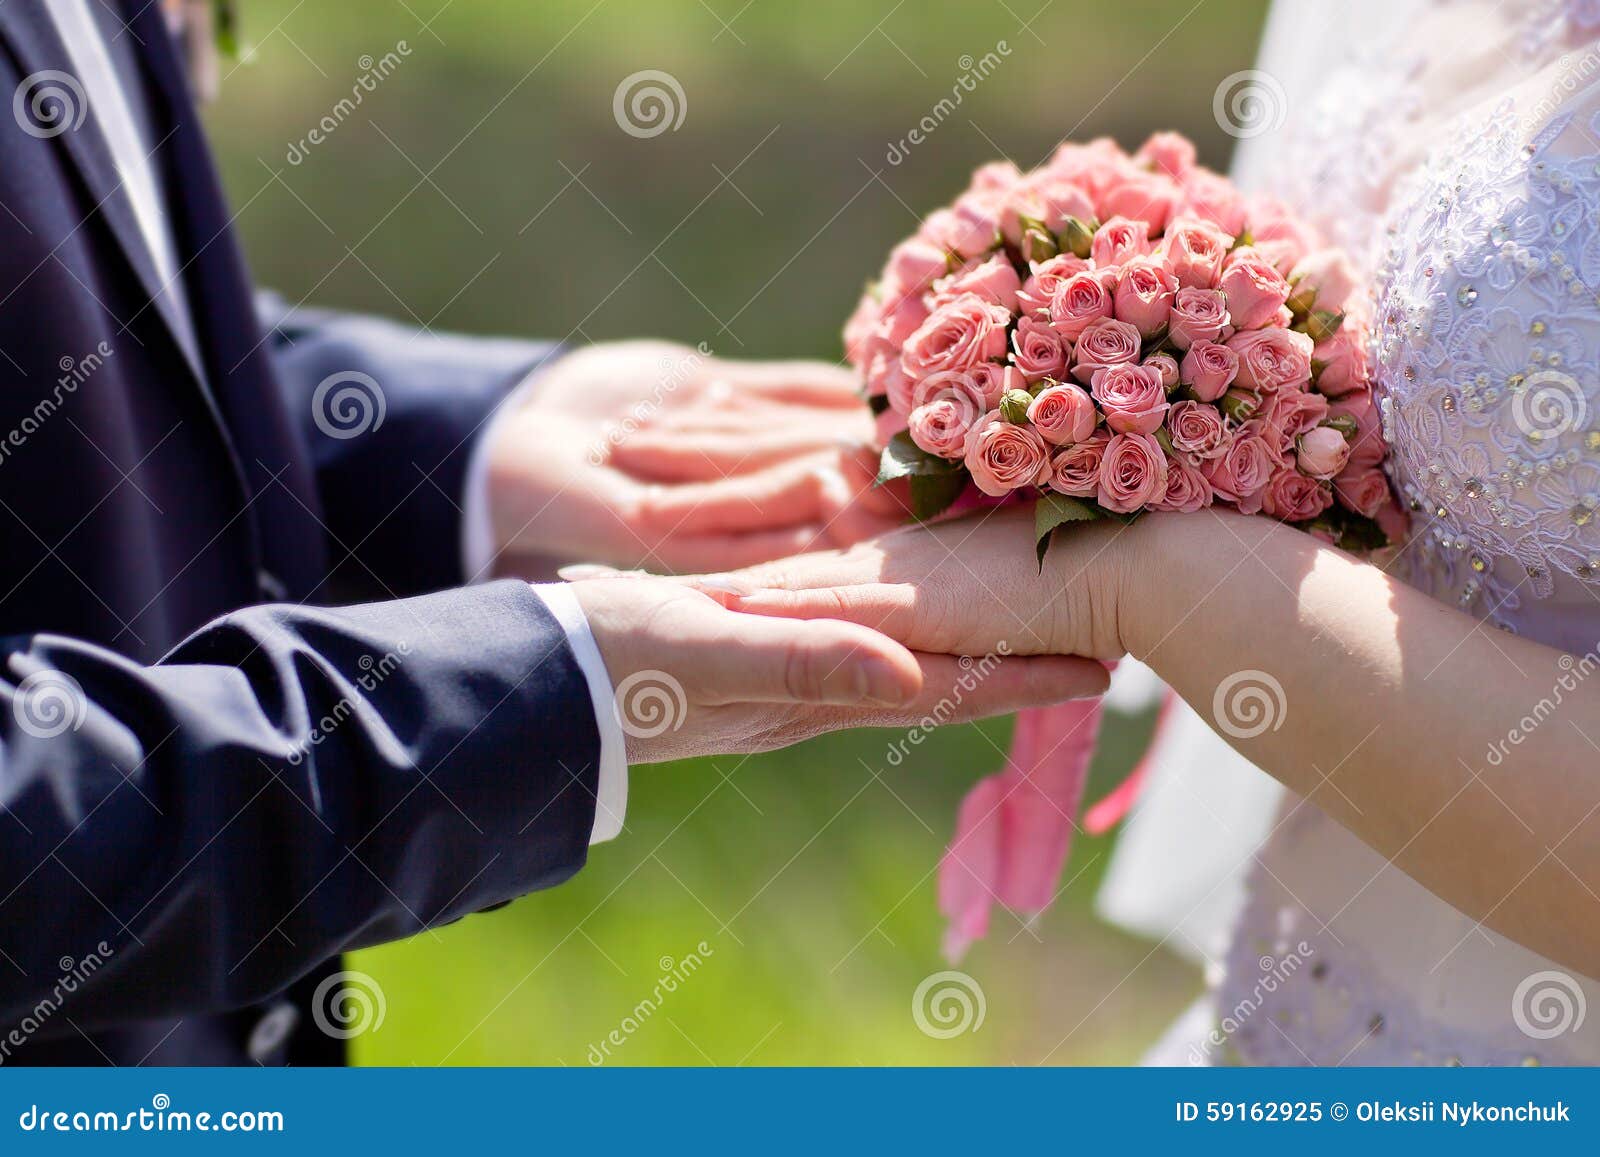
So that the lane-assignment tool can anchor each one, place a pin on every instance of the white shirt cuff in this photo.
(477, 527)
(611, 794)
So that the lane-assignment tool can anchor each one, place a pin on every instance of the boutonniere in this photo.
(206, 30)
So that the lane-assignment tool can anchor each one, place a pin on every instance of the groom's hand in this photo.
(693, 678)
(657, 455)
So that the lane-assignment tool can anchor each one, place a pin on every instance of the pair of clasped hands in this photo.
(804, 603)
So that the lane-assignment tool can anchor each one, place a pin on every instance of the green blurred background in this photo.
(484, 185)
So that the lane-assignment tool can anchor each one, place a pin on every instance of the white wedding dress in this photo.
(1454, 149)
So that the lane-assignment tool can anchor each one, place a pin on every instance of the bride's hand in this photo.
(969, 586)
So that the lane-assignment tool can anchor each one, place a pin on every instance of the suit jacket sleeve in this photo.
(429, 399)
(286, 784)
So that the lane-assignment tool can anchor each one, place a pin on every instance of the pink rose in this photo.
(1326, 278)
(1197, 430)
(1079, 301)
(1120, 240)
(1133, 473)
(959, 335)
(1002, 456)
(886, 378)
(1037, 350)
(914, 265)
(1062, 414)
(993, 380)
(1272, 359)
(939, 229)
(1368, 447)
(1321, 452)
(1208, 369)
(962, 388)
(1144, 295)
(1282, 254)
(1343, 358)
(1103, 344)
(1195, 251)
(1140, 196)
(1255, 290)
(1293, 497)
(901, 320)
(1242, 472)
(1075, 469)
(1093, 165)
(1045, 198)
(975, 226)
(859, 329)
(941, 427)
(1294, 412)
(1171, 153)
(1167, 366)
(1187, 488)
(1197, 315)
(1040, 289)
(1132, 398)
(1272, 220)
(993, 280)
(995, 177)
(1363, 491)
(1213, 199)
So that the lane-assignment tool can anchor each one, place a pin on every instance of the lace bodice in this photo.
(1458, 159)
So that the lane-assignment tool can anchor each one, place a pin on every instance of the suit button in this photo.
(271, 586)
(272, 1030)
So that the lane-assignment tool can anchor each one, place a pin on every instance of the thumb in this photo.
(770, 660)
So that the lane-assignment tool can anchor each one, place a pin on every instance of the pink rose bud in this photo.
(1037, 350)
(1272, 359)
(1293, 497)
(1208, 369)
(1144, 295)
(1118, 241)
(1321, 453)
(1367, 447)
(993, 280)
(1075, 470)
(1038, 291)
(1214, 200)
(1133, 473)
(995, 177)
(958, 336)
(1140, 196)
(1077, 236)
(1171, 153)
(993, 381)
(1363, 491)
(1324, 279)
(1062, 414)
(1079, 302)
(1197, 315)
(976, 224)
(1002, 456)
(1187, 488)
(1132, 398)
(1195, 251)
(1197, 430)
(1256, 291)
(1103, 344)
(914, 265)
(1272, 220)
(1167, 366)
(1343, 358)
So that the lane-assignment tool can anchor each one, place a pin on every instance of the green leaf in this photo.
(1053, 510)
(903, 458)
(932, 494)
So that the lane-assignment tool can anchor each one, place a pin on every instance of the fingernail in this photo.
(878, 681)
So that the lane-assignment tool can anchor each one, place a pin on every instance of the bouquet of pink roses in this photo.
(1105, 335)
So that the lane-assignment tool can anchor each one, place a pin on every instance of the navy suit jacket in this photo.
(213, 779)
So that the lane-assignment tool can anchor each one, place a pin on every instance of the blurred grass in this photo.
(485, 186)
